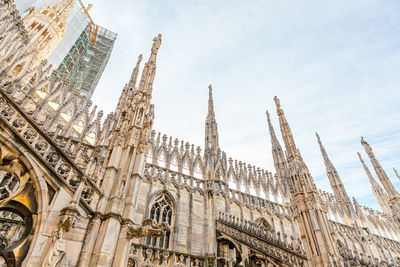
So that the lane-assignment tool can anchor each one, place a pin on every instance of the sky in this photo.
(334, 65)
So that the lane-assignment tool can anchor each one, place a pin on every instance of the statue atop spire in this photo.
(134, 107)
(334, 179)
(156, 44)
(278, 105)
(367, 148)
(149, 70)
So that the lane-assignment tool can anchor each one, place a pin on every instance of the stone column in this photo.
(89, 242)
(122, 250)
(106, 242)
(211, 238)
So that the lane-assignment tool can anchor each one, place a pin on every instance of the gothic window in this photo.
(33, 25)
(161, 212)
(9, 184)
(39, 27)
(258, 262)
(131, 263)
(218, 175)
(12, 228)
(223, 250)
(227, 254)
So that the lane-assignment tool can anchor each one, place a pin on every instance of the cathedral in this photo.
(77, 189)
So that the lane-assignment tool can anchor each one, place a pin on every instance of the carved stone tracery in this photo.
(260, 240)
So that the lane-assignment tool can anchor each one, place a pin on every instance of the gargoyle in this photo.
(148, 228)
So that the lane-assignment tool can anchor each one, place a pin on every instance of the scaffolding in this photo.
(82, 55)
(83, 66)
(86, 60)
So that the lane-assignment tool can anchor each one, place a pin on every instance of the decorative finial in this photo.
(135, 71)
(367, 147)
(278, 105)
(318, 138)
(210, 101)
(271, 128)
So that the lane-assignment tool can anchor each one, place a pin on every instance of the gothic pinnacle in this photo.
(327, 161)
(380, 172)
(271, 128)
(336, 183)
(306, 198)
(211, 127)
(379, 193)
(135, 71)
(287, 135)
(397, 174)
(323, 151)
(210, 101)
(279, 159)
(367, 171)
(149, 70)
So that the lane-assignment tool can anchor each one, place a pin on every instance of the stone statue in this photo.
(149, 228)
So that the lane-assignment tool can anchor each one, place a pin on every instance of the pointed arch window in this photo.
(161, 212)
(227, 254)
(9, 183)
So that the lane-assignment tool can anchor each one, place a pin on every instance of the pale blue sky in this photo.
(334, 64)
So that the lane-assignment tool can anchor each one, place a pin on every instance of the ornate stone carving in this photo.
(57, 251)
(13, 174)
(69, 216)
(251, 236)
(148, 228)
